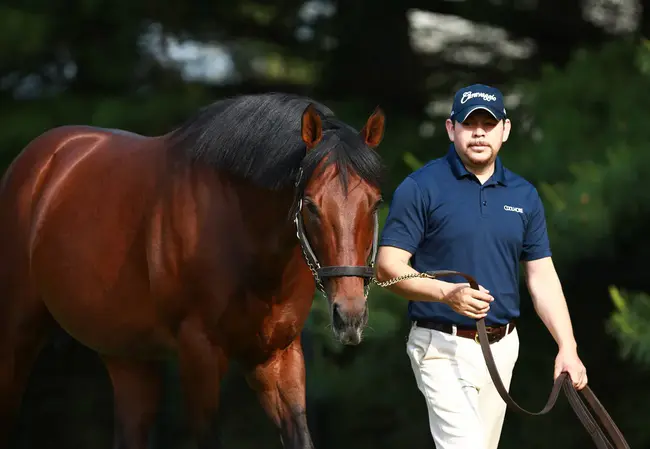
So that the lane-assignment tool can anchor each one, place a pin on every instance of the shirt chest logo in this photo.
(519, 210)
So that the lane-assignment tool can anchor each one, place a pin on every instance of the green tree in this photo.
(630, 322)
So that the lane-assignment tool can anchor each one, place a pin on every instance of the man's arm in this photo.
(542, 279)
(549, 302)
(393, 262)
(547, 295)
(403, 232)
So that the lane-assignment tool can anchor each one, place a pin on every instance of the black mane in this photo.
(258, 138)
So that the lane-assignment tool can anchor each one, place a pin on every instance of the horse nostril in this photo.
(337, 319)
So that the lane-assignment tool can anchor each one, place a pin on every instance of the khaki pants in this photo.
(465, 409)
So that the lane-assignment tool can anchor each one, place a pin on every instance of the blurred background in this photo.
(576, 75)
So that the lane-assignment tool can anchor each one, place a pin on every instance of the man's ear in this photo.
(507, 126)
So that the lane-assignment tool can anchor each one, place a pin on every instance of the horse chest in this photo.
(279, 326)
(264, 326)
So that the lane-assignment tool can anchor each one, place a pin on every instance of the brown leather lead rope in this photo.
(602, 428)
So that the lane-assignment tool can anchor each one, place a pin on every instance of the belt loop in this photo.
(454, 330)
(507, 328)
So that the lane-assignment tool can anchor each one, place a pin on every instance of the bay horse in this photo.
(205, 244)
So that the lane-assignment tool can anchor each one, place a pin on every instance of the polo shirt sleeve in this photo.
(406, 222)
(536, 243)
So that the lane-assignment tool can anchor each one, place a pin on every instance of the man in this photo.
(467, 212)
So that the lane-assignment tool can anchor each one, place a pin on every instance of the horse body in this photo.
(143, 253)
(82, 277)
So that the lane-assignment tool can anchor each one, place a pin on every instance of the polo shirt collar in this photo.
(459, 170)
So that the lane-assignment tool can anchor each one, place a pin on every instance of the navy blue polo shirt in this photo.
(447, 220)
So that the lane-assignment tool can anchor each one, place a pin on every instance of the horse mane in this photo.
(258, 138)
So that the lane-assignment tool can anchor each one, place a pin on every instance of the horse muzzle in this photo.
(349, 318)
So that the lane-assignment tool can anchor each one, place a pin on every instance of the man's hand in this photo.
(568, 360)
(469, 302)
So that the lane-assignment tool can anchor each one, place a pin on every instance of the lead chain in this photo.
(397, 279)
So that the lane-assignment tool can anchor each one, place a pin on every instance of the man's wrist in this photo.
(568, 345)
(442, 289)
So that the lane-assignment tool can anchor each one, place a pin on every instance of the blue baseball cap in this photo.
(477, 96)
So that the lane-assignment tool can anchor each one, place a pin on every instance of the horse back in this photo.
(71, 163)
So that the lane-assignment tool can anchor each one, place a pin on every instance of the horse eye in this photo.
(313, 209)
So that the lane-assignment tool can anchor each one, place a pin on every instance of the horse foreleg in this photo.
(280, 385)
(202, 366)
(136, 392)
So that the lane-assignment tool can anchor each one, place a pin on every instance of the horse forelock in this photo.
(348, 155)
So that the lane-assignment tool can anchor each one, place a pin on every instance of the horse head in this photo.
(336, 216)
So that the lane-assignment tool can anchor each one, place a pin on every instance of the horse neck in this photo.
(267, 218)
(260, 218)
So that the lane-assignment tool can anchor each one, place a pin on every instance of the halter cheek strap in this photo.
(323, 272)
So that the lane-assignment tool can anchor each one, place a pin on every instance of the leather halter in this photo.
(324, 272)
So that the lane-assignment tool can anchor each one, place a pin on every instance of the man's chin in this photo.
(480, 159)
(480, 149)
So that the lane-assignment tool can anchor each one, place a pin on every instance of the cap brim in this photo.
(462, 115)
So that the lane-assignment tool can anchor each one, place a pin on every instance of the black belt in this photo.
(495, 333)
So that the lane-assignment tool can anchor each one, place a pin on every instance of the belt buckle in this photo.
(492, 337)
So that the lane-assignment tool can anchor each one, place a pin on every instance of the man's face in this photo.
(479, 138)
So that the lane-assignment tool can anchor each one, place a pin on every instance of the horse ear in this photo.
(312, 127)
(373, 132)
